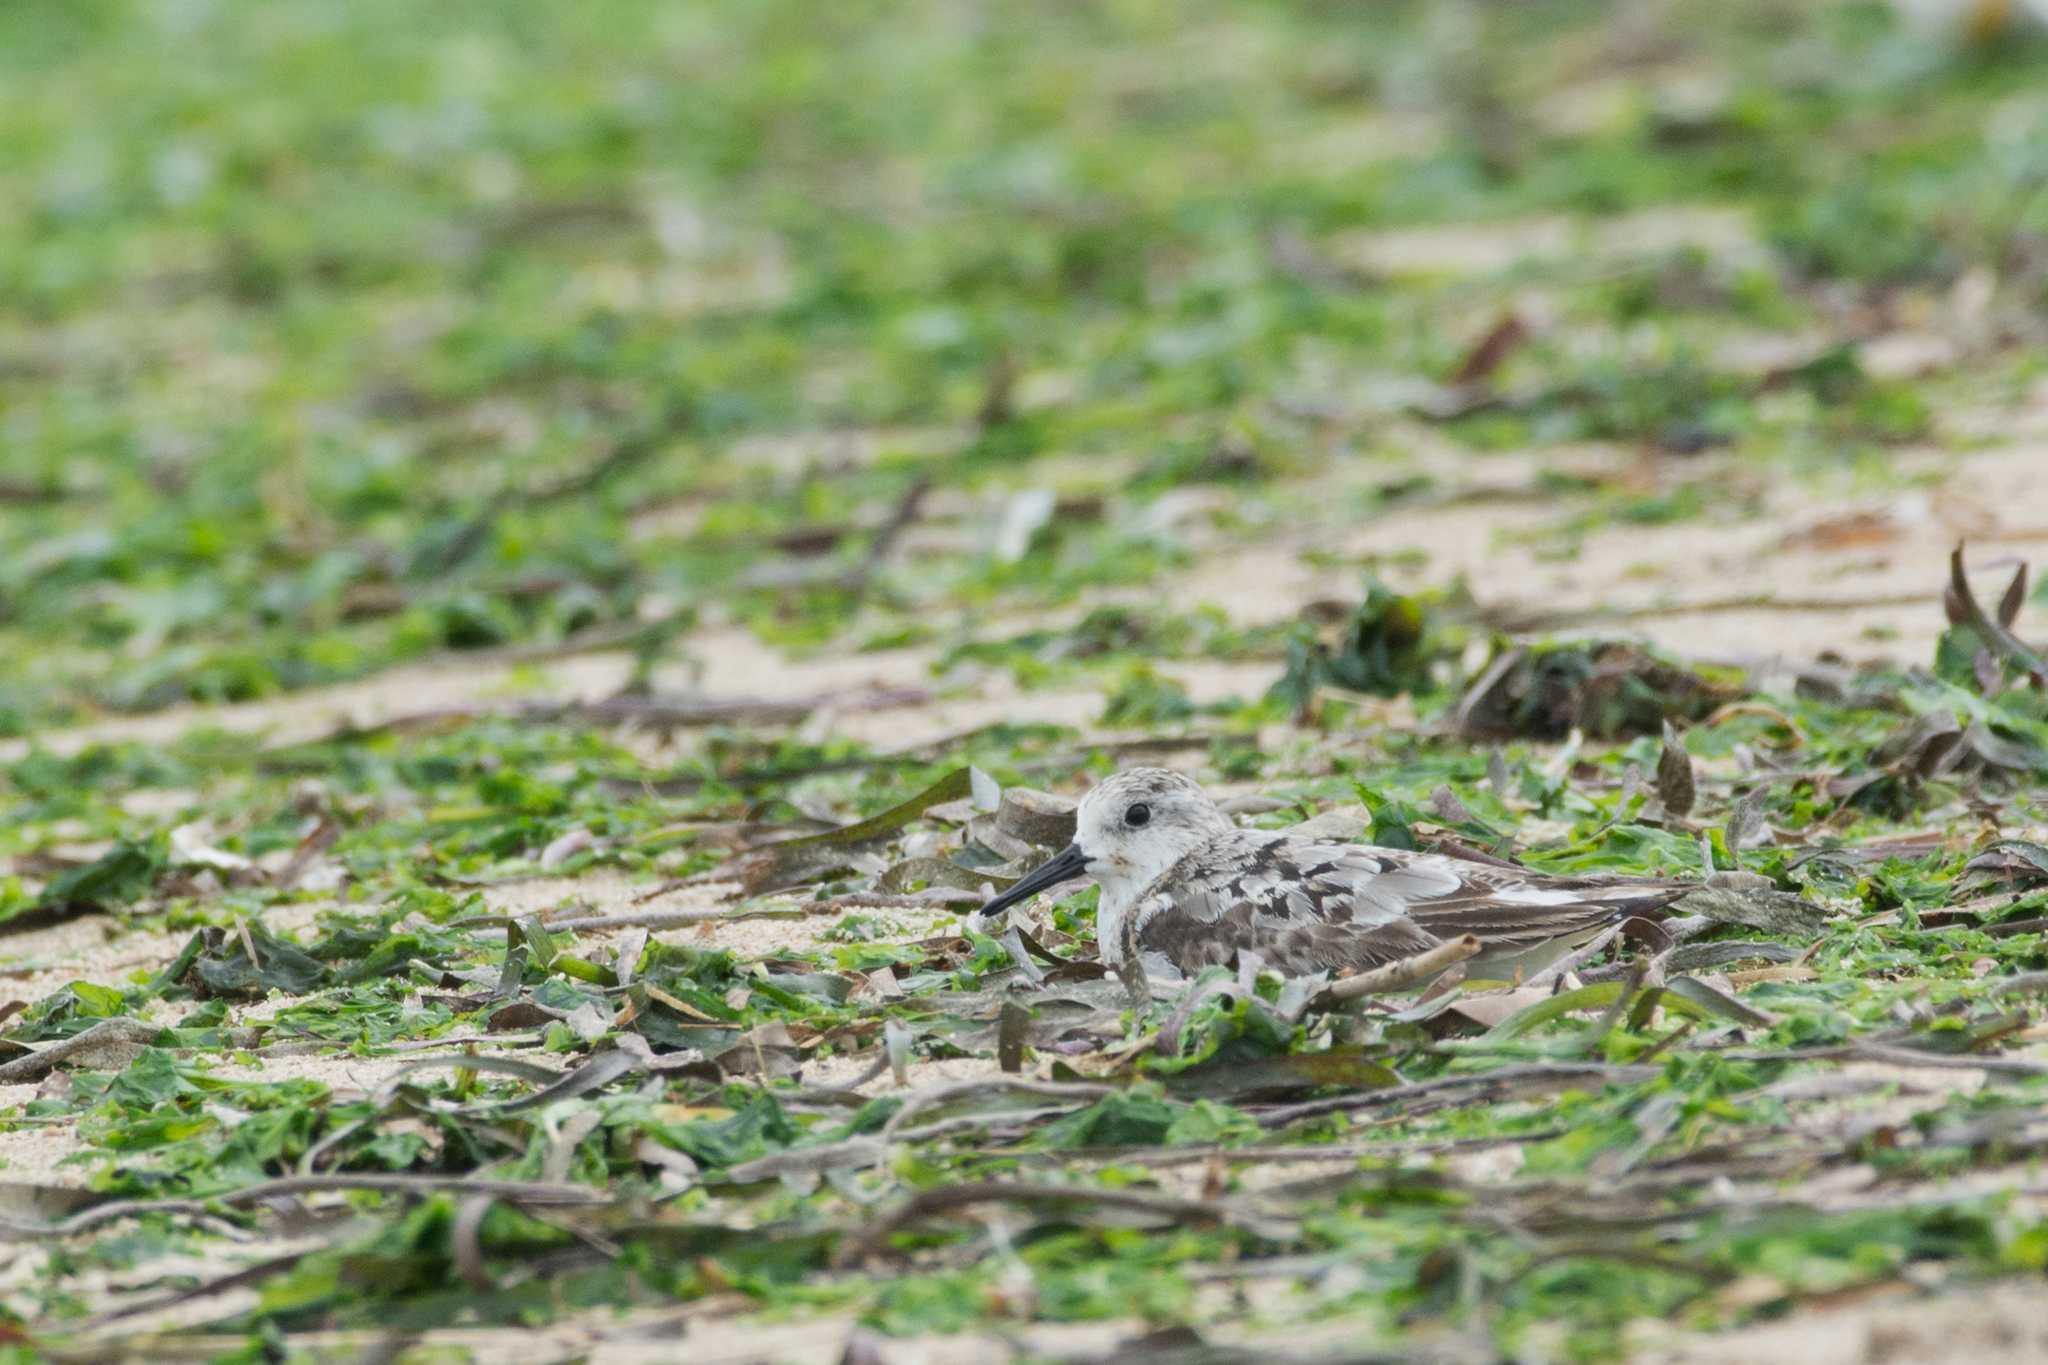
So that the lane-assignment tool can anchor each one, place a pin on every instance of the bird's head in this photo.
(1128, 831)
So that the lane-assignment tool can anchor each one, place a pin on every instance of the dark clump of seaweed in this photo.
(1605, 689)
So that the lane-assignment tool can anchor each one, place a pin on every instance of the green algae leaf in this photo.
(228, 968)
(1127, 1118)
(122, 875)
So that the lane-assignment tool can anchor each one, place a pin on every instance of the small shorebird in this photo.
(1184, 888)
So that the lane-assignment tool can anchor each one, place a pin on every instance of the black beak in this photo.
(1065, 865)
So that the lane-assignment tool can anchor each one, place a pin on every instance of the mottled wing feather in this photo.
(1300, 906)
(1288, 879)
(1292, 943)
(1307, 906)
(1510, 906)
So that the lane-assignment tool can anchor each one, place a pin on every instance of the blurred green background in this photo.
(338, 334)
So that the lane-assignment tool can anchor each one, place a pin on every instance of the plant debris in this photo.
(1603, 689)
(1389, 644)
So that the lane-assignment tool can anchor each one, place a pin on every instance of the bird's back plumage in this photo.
(1306, 906)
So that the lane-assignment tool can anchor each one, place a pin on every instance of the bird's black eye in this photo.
(1138, 815)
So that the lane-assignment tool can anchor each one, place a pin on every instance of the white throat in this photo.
(1119, 893)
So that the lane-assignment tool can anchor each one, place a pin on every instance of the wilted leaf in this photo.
(1447, 807)
(784, 985)
(224, 967)
(1746, 821)
(189, 848)
(528, 931)
(1674, 775)
(1698, 993)
(1487, 1009)
(523, 1015)
(1985, 747)
(1024, 515)
(1010, 1035)
(1927, 746)
(2011, 860)
(68, 1010)
(1040, 819)
(589, 1022)
(918, 874)
(2015, 595)
(1932, 745)
(1632, 786)
(765, 1050)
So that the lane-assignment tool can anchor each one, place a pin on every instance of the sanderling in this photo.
(1184, 888)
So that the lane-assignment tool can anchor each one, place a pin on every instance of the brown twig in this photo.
(1510, 617)
(1506, 1079)
(516, 1191)
(247, 1275)
(22, 492)
(857, 579)
(932, 898)
(942, 1198)
(1407, 972)
(44, 1060)
(921, 1100)
(1060, 762)
(630, 450)
(1488, 353)
(1316, 1154)
(1897, 1056)
(465, 1241)
(650, 712)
